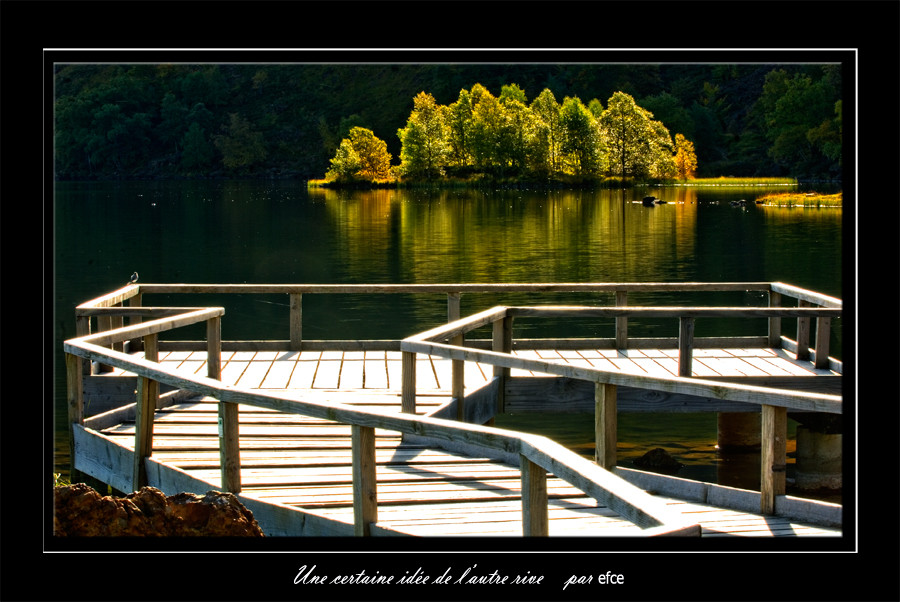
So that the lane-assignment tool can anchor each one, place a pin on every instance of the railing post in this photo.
(685, 346)
(535, 515)
(622, 322)
(502, 343)
(803, 333)
(82, 329)
(365, 494)
(135, 301)
(605, 425)
(75, 402)
(772, 456)
(228, 422)
(104, 323)
(823, 342)
(296, 321)
(117, 322)
(147, 395)
(408, 384)
(774, 323)
(457, 376)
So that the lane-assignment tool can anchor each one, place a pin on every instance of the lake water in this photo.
(280, 232)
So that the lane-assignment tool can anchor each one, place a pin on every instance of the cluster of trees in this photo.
(508, 136)
(223, 120)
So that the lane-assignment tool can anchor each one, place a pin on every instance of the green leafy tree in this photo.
(346, 162)
(581, 145)
(546, 109)
(241, 146)
(119, 140)
(798, 111)
(487, 130)
(173, 121)
(827, 137)
(516, 131)
(638, 145)
(660, 152)
(424, 147)
(197, 152)
(459, 122)
(624, 126)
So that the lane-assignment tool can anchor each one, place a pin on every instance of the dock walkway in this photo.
(393, 437)
(305, 463)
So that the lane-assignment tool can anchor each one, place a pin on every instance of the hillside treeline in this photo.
(209, 120)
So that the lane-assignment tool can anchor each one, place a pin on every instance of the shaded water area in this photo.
(280, 232)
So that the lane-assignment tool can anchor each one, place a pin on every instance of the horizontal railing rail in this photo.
(449, 341)
(538, 455)
(446, 341)
(109, 312)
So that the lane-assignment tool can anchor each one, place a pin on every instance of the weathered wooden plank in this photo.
(328, 373)
(352, 372)
(375, 369)
(255, 373)
(280, 372)
(305, 371)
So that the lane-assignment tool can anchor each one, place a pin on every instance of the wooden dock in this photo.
(305, 463)
(335, 442)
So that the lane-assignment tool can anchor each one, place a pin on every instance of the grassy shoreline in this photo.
(801, 199)
(554, 182)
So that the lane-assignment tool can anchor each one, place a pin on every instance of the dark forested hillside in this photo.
(223, 120)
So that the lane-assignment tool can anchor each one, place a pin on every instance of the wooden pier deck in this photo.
(366, 437)
(380, 371)
(305, 463)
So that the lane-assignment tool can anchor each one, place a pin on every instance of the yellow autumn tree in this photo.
(361, 155)
(685, 158)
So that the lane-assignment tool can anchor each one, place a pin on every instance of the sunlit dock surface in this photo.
(362, 437)
(381, 370)
(304, 463)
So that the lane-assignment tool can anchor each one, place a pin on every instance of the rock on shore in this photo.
(79, 511)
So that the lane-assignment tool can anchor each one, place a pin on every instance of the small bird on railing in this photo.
(134, 278)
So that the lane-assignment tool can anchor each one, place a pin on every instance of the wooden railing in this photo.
(447, 341)
(110, 312)
(537, 455)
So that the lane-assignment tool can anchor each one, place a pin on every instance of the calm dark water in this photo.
(279, 232)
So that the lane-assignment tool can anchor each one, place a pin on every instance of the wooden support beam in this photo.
(774, 323)
(147, 395)
(227, 419)
(823, 342)
(365, 494)
(535, 514)
(75, 403)
(605, 425)
(134, 302)
(214, 348)
(773, 456)
(83, 328)
(685, 346)
(229, 447)
(296, 321)
(502, 343)
(408, 382)
(457, 377)
(803, 333)
(622, 322)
